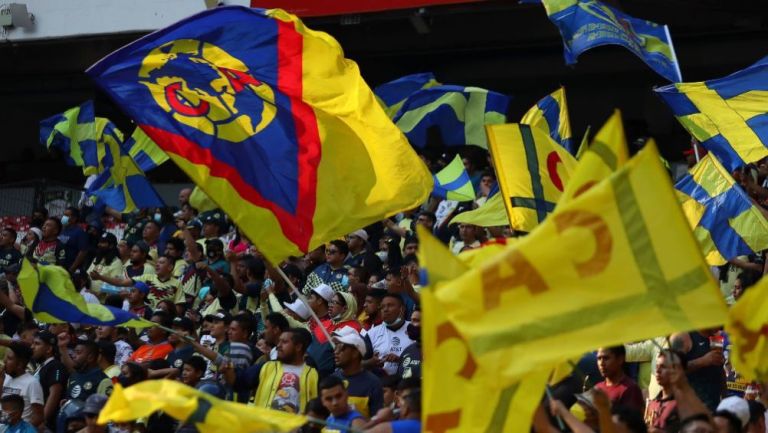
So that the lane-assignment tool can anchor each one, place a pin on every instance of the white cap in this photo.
(37, 232)
(737, 406)
(324, 291)
(299, 308)
(348, 335)
(362, 234)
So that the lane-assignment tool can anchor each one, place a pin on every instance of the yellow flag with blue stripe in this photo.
(723, 218)
(532, 169)
(51, 296)
(145, 152)
(392, 95)
(458, 395)
(73, 132)
(194, 408)
(747, 328)
(551, 114)
(453, 182)
(629, 229)
(728, 116)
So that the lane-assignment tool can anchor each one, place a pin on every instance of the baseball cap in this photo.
(324, 291)
(220, 315)
(109, 237)
(194, 223)
(299, 308)
(737, 406)
(362, 234)
(141, 286)
(184, 323)
(94, 404)
(348, 335)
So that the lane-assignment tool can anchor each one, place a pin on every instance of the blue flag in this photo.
(73, 132)
(460, 113)
(586, 24)
(728, 116)
(392, 95)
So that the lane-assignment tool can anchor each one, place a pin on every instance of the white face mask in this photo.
(382, 255)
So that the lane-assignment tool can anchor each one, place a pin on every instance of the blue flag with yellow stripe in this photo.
(145, 152)
(586, 24)
(723, 218)
(729, 116)
(460, 114)
(73, 132)
(453, 182)
(392, 95)
(551, 114)
(51, 296)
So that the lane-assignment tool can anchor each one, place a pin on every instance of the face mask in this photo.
(382, 255)
(64, 220)
(394, 324)
(414, 332)
(212, 254)
(5, 418)
(158, 217)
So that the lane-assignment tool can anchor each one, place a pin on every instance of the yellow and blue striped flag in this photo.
(73, 132)
(551, 114)
(51, 296)
(392, 95)
(586, 24)
(723, 219)
(460, 114)
(728, 116)
(453, 182)
(144, 151)
(120, 184)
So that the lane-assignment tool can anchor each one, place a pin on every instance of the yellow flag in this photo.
(748, 329)
(186, 404)
(616, 264)
(532, 169)
(200, 200)
(490, 214)
(459, 396)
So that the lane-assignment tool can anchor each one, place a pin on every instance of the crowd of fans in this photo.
(241, 333)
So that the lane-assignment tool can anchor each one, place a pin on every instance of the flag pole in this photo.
(306, 302)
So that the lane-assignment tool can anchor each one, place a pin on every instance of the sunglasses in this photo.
(331, 251)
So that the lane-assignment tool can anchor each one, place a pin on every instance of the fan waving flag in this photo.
(723, 218)
(586, 24)
(453, 182)
(392, 95)
(73, 132)
(52, 298)
(271, 121)
(459, 113)
(729, 116)
(551, 114)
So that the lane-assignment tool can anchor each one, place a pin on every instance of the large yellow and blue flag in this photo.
(194, 408)
(627, 228)
(723, 218)
(49, 293)
(392, 95)
(492, 213)
(747, 328)
(728, 116)
(73, 132)
(453, 182)
(271, 121)
(144, 151)
(586, 24)
(459, 113)
(533, 171)
(551, 113)
(120, 183)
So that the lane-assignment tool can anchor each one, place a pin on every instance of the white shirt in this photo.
(385, 341)
(26, 386)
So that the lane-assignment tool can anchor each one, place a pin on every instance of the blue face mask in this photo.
(158, 217)
(65, 220)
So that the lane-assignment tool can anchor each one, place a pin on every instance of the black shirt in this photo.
(52, 372)
(9, 256)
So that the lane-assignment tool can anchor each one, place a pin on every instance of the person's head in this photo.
(336, 252)
(174, 248)
(414, 328)
(610, 361)
(394, 280)
(17, 358)
(298, 310)
(293, 345)
(389, 389)
(7, 237)
(319, 299)
(131, 373)
(392, 309)
(51, 229)
(71, 216)
(666, 362)
(107, 353)
(334, 395)
(219, 324)
(726, 422)
(756, 417)
(427, 220)
(184, 196)
(193, 370)
(628, 420)
(164, 266)
(468, 233)
(314, 409)
(138, 293)
(274, 325)
(214, 249)
(86, 355)
(409, 398)
(44, 346)
(411, 246)
(157, 334)
(357, 240)
(373, 302)
(337, 306)
(13, 407)
(350, 348)
(357, 274)
(93, 406)
(240, 328)
(732, 415)
(38, 217)
(139, 252)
